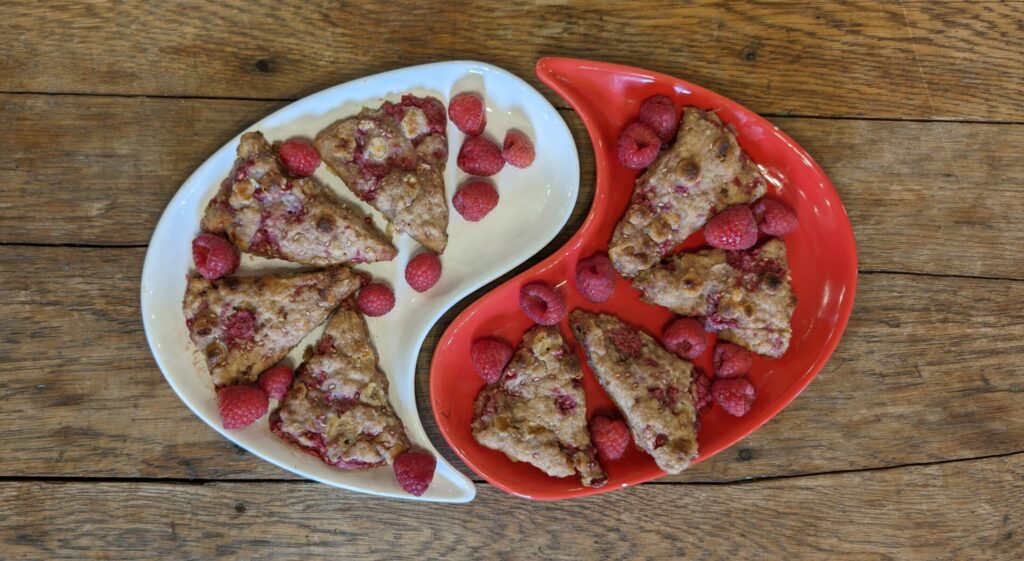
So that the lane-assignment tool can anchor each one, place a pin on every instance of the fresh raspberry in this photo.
(638, 146)
(276, 380)
(239, 327)
(241, 406)
(733, 228)
(375, 299)
(659, 113)
(467, 112)
(610, 436)
(775, 218)
(414, 471)
(480, 156)
(489, 357)
(735, 395)
(518, 149)
(731, 360)
(701, 388)
(214, 256)
(423, 271)
(595, 278)
(542, 304)
(299, 157)
(685, 337)
(626, 341)
(475, 200)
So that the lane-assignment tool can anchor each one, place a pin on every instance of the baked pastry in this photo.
(536, 412)
(394, 159)
(743, 295)
(266, 213)
(703, 172)
(243, 325)
(338, 406)
(650, 386)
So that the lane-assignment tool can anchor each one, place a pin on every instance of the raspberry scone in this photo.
(650, 386)
(704, 172)
(266, 213)
(536, 412)
(394, 159)
(243, 325)
(338, 407)
(743, 295)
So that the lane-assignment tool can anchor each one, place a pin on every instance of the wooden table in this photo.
(909, 445)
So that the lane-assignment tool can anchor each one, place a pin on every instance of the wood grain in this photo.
(929, 370)
(933, 60)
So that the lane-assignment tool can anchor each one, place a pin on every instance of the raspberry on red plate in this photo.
(475, 200)
(701, 388)
(731, 360)
(299, 157)
(467, 112)
(423, 271)
(659, 113)
(775, 218)
(276, 380)
(735, 395)
(489, 357)
(638, 146)
(542, 304)
(595, 278)
(480, 156)
(610, 436)
(375, 299)
(241, 406)
(518, 149)
(733, 228)
(414, 471)
(685, 337)
(214, 256)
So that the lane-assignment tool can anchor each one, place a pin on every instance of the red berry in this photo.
(659, 113)
(735, 395)
(518, 149)
(214, 256)
(610, 436)
(685, 337)
(423, 271)
(542, 304)
(414, 471)
(638, 146)
(475, 200)
(731, 360)
(489, 357)
(595, 278)
(701, 389)
(241, 406)
(480, 156)
(733, 228)
(467, 112)
(775, 218)
(276, 380)
(299, 157)
(375, 299)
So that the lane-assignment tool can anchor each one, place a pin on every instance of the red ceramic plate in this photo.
(822, 256)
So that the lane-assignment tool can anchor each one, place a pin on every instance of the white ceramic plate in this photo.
(534, 205)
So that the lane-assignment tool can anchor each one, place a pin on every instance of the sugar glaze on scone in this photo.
(536, 412)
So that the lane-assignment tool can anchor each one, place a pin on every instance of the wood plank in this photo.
(960, 511)
(928, 60)
(105, 167)
(929, 370)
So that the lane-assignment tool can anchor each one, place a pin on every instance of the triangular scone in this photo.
(394, 159)
(743, 295)
(704, 172)
(537, 413)
(243, 325)
(650, 386)
(338, 407)
(266, 213)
